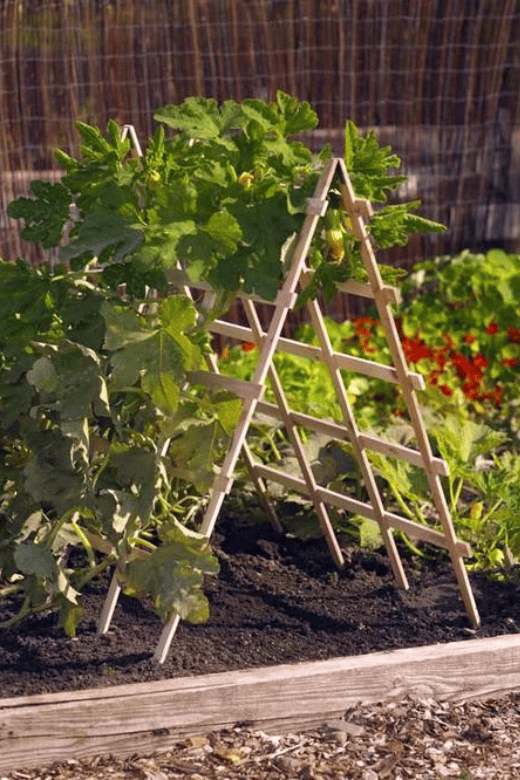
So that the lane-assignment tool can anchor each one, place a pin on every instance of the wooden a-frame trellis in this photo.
(268, 342)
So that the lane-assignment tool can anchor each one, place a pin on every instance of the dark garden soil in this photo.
(277, 600)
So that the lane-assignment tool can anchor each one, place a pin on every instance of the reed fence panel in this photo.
(439, 81)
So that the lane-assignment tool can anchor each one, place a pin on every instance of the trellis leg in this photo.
(285, 300)
(358, 210)
(294, 436)
(359, 449)
(109, 606)
(261, 489)
(249, 461)
(165, 640)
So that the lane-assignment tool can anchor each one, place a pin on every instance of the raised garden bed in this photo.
(289, 643)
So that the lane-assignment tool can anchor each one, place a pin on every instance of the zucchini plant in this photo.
(106, 442)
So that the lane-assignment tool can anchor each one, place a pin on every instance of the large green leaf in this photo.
(298, 117)
(81, 382)
(27, 300)
(461, 441)
(123, 326)
(105, 235)
(202, 118)
(164, 391)
(173, 575)
(43, 375)
(369, 164)
(50, 476)
(225, 230)
(44, 215)
(392, 225)
(32, 558)
(192, 454)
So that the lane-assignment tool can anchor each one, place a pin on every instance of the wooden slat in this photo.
(425, 534)
(391, 294)
(346, 362)
(220, 382)
(129, 719)
(374, 443)
(394, 450)
(342, 501)
(282, 478)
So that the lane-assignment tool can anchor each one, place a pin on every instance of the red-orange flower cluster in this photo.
(363, 326)
(470, 370)
(415, 349)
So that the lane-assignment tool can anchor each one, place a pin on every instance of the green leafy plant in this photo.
(482, 489)
(108, 439)
(336, 252)
(200, 197)
(459, 327)
(96, 423)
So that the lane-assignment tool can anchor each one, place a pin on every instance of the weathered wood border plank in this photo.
(123, 720)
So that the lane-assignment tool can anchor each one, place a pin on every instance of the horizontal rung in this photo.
(363, 290)
(394, 450)
(329, 428)
(282, 478)
(369, 442)
(414, 530)
(425, 534)
(233, 331)
(346, 362)
(221, 382)
(345, 502)
(329, 496)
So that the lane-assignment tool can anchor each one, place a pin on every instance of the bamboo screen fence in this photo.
(438, 79)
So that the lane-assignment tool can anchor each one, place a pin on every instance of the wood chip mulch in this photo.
(418, 738)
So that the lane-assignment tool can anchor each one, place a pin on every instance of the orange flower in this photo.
(469, 338)
(509, 362)
(464, 367)
(248, 346)
(480, 361)
(446, 389)
(492, 328)
(470, 390)
(514, 335)
(363, 326)
(448, 340)
(415, 349)
(364, 321)
(497, 396)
